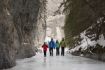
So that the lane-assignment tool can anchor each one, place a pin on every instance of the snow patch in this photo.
(86, 42)
(101, 40)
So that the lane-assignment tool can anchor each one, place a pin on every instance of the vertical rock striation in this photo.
(19, 25)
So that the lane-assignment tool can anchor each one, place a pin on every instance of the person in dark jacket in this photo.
(45, 46)
(51, 46)
(63, 45)
(57, 47)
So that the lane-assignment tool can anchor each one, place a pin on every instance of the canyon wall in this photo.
(19, 25)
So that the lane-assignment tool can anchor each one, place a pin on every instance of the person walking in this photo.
(44, 46)
(57, 47)
(51, 46)
(63, 45)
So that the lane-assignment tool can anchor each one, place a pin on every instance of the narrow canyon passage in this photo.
(26, 24)
(68, 62)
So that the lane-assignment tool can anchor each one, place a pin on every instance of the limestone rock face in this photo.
(19, 25)
(8, 41)
(55, 21)
(25, 15)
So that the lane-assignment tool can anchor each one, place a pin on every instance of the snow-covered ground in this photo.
(86, 42)
(67, 62)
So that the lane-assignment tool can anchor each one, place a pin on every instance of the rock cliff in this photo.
(20, 21)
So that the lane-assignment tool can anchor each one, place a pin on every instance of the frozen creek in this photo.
(68, 62)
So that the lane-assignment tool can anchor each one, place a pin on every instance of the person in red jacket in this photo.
(44, 46)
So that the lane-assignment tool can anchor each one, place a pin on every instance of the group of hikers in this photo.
(54, 45)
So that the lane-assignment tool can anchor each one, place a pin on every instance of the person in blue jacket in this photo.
(51, 46)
